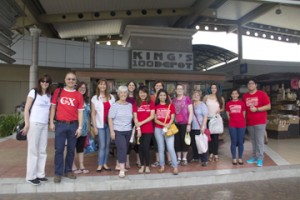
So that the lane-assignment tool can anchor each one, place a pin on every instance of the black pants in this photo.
(180, 145)
(196, 155)
(80, 144)
(144, 149)
(213, 145)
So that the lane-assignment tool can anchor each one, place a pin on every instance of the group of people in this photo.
(70, 112)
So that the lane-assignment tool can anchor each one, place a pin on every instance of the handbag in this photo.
(91, 147)
(187, 138)
(19, 128)
(201, 143)
(206, 130)
(86, 141)
(132, 137)
(216, 125)
(172, 130)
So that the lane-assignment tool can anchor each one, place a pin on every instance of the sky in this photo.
(253, 48)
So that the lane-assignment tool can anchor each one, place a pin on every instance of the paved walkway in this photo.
(13, 169)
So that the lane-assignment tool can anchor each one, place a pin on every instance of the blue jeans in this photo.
(63, 133)
(237, 139)
(122, 142)
(104, 141)
(160, 139)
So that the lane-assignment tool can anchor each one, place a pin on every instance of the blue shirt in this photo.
(201, 111)
(121, 115)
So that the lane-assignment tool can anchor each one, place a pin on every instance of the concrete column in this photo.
(33, 72)
(92, 39)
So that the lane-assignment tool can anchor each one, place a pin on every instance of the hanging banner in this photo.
(141, 59)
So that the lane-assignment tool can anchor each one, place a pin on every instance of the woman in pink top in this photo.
(215, 105)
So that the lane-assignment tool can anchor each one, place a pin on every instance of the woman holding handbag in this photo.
(215, 105)
(143, 115)
(36, 129)
(164, 117)
(198, 125)
(236, 112)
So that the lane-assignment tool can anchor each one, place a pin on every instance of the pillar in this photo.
(33, 72)
(92, 39)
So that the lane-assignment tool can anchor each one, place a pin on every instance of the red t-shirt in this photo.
(69, 103)
(258, 99)
(106, 106)
(161, 111)
(235, 110)
(143, 112)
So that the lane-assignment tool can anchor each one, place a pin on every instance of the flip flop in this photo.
(77, 171)
(84, 171)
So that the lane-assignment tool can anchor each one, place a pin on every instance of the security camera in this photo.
(278, 11)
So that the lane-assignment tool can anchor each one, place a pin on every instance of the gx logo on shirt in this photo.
(67, 101)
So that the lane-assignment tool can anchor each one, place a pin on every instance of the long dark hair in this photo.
(48, 79)
(86, 97)
(218, 95)
(138, 98)
(157, 101)
(135, 90)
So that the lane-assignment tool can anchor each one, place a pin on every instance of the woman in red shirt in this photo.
(143, 114)
(236, 111)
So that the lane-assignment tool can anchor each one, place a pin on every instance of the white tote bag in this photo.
(132, 137)
(215, 125)
(201, 143)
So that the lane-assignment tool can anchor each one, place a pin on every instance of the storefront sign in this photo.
(141, 59)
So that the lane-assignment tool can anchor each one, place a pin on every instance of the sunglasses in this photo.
(45, 81)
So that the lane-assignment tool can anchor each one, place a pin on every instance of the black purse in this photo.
(19, 135)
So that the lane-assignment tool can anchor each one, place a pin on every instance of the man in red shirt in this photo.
(257, 103)
(67, 105)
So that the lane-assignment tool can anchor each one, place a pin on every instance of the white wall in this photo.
(71, 54)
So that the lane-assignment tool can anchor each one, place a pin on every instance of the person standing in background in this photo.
(36, 129)
(101, 104)
(236, 111)
(68, 106)
(257, 103)
(215, 104)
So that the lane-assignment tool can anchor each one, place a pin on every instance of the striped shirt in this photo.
(121, 115)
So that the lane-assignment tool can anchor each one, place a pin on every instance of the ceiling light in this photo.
(248, 32)
(197, 27)
(97, 42)
(204, 70)
(264, 35)
(256, 34)
(272, 37)
(206, 28)
(279, 38)
(108, 43)
(287, 39)
(216, 28)
(119, 42)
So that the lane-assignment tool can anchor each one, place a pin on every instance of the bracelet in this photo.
(138, 128)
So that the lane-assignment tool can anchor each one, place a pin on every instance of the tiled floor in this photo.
(13, 158)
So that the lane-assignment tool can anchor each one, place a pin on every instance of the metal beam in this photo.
(260, 10)
(6, 58)
(6, 50)
(110, 15)
(197, 10)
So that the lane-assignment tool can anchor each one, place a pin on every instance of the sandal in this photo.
(216, 158)
(77, 171)
(121, 174)
(211, 157)
(84, 171)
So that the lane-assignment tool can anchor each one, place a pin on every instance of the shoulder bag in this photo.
(206, 130)
(172, 130)
(19, 135)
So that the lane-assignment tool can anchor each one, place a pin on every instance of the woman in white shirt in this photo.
(101, 103)
(36, 129)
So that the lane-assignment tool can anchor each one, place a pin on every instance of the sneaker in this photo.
(204, 164)
(178, 161)
(259, 163)
(156, 164)
(34, 182)
(251, 160)
(122, 174)
(42, 179)
(147, 170)
(70, 175)
(57, 179)
(141, 170)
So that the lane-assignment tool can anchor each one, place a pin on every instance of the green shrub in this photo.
(8, 124)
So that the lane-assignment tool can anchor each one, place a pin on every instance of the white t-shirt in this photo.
(98, 103)
(40, 109)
